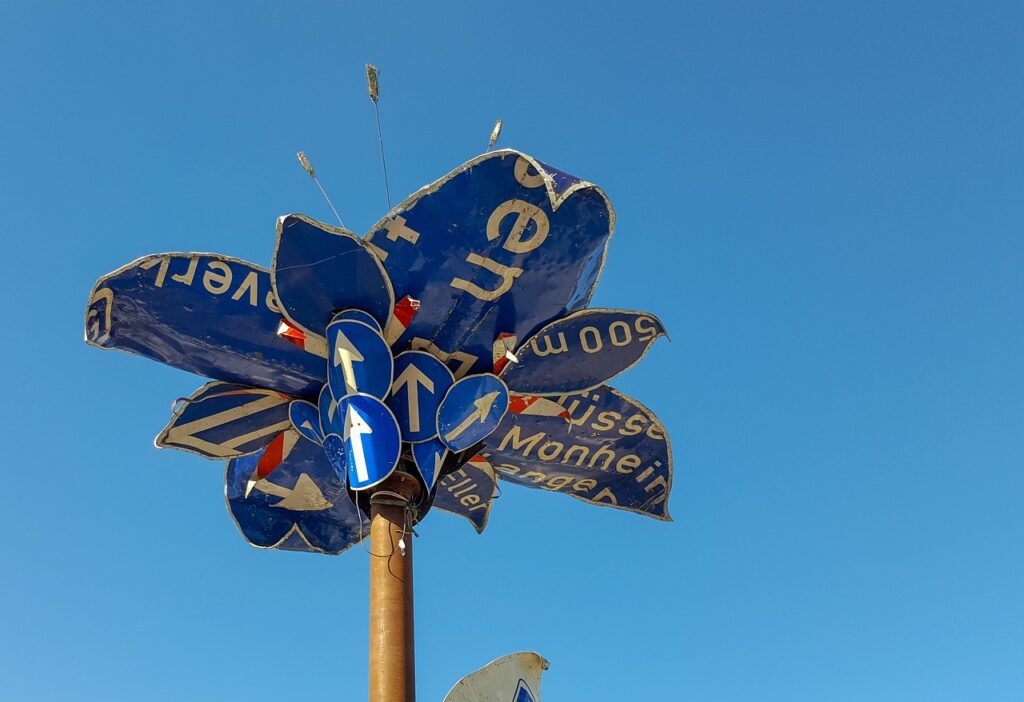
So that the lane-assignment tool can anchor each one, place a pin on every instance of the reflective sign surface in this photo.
(498, 245)
(471, 410)
(300, 505)
(614, 452)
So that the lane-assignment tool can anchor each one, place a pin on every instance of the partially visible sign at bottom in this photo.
(511, 678)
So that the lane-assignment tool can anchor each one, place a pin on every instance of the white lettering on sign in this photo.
(218, 278)
(592, 338)
(525, 214)
(396, 229)
(508, 275)
(526, 174)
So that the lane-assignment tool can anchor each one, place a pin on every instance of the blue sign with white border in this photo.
(373, 442)
(472, 409)
(359, 360)
(420, 384)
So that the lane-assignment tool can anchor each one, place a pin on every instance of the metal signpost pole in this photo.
(392, 663)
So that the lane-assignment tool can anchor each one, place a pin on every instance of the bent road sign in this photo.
(429, 456)
(420, 384)
(472, 409)
(373, 442)
(359, 360)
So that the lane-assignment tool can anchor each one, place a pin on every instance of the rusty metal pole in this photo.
(392, 660)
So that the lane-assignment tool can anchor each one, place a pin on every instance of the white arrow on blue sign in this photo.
(359, 360)
(472, 409)
(373, 443)
(429, 455)
(305, 417)
(420, 384)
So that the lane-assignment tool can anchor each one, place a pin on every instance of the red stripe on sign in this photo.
(289, 333)
(406, 309)
(272, 457)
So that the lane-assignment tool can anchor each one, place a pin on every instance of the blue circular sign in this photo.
(420, 384)
(358, 359)
(472, 409)
(372, 440)
(359, 316)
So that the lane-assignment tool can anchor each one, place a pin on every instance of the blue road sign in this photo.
(334, 449)
(581, 352)
(305, 417)
(319, 269)
(472, 409)
(301, 505)
(429, 456)
(613, 451)
(211, 315)
(480, 250)
(359, 316)
(331, 421)
(468, 492)
(420, 384)
(359, 360)
(372, 439)
(223, 420)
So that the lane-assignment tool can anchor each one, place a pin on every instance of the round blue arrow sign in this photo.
(472, 409)
(359, 360)
(372, 440)
(421, 382)
(305, 417)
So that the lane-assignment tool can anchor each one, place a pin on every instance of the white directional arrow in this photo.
(306, 496)
(412, 377)
(355, 428)
(483, 408)
(345, 354)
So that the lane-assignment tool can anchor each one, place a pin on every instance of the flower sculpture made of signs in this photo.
(451, 342)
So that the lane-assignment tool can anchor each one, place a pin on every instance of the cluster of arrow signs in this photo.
(373, 403)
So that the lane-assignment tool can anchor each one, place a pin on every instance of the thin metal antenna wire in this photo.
(383, 162)
(317, 181)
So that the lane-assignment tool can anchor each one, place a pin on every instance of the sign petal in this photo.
(204, 313)
(612, 451)
(582, 351)
(224, 420)
(515, 677)
(469, 492)
(301, 505)
(319, 270)
(502, 244)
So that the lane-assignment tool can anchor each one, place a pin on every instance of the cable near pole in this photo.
(392, 650)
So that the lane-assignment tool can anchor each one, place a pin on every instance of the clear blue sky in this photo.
(823, 203)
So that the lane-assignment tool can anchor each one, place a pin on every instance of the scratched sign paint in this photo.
(509, 250)
(451, 343)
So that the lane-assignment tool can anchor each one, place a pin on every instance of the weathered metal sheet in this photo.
(319, 270)
(471, 410)
(300, 505)
(373, 442)
(360, 360)
(582, 351)
(305, 418)
(207, 314)
(428, 457)
(613, 452)
(420, 384)
(469, 492)
(224, 420)
(511, 678)
(500, 245)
